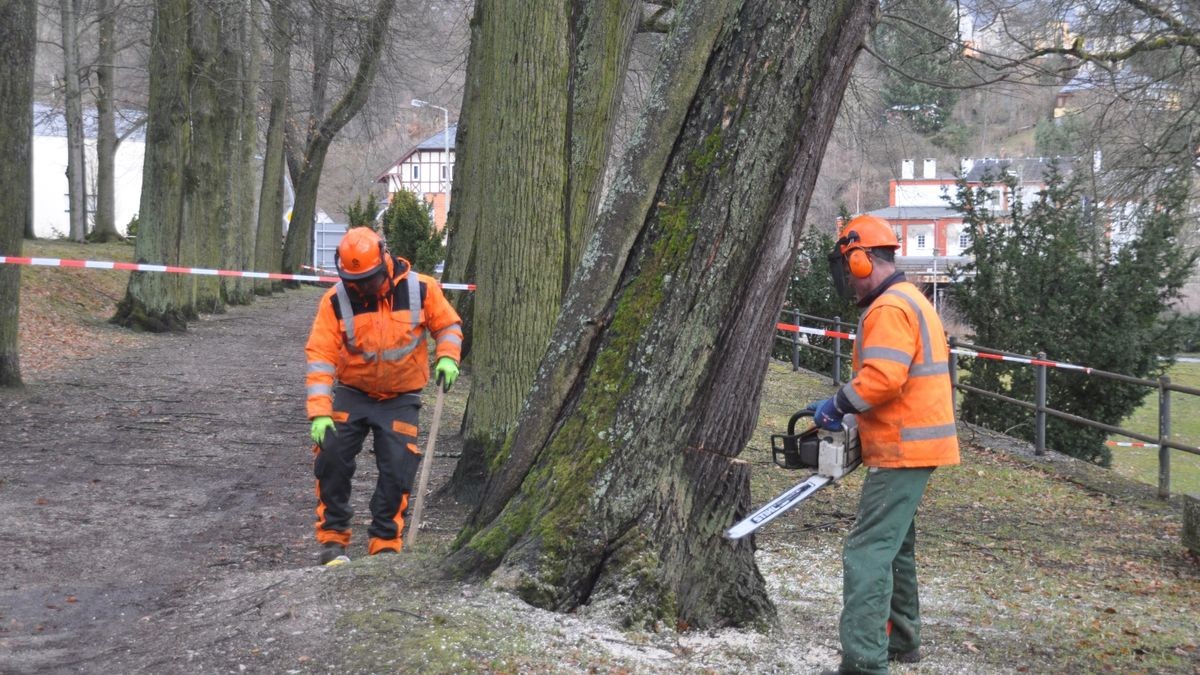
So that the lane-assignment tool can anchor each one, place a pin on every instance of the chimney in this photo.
(906, 169)
(930, 168)
(966, 165)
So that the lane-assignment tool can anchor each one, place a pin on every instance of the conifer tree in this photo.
(1040, 281)
(918, 39)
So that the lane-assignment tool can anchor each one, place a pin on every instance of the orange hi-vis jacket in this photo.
(901, 388)
(377, 345)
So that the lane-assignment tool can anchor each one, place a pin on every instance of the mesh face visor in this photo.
(839, 268)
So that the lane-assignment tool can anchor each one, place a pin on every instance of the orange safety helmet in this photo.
(861, 234)
(851, 256)
(360, 254)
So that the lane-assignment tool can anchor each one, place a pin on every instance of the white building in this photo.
(426, 170)
(51, 215)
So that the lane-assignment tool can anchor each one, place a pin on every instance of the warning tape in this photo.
(171, 269)
(1124, 444)
(963, 352)
(814, 331)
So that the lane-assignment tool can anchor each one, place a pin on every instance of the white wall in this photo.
(912, 246)
(920, 195)
(50, 218)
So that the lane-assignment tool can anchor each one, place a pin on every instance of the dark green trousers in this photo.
(879, 571)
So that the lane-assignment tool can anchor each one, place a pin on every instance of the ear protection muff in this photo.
(859, 262)
(858, 259)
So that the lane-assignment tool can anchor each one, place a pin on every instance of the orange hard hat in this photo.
(360, 254)
(867, 231)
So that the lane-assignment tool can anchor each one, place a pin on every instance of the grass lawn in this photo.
(1142, 463)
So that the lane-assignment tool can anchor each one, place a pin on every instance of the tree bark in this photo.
(214, 115)
(545, 79)
(268, 241)
(297, 249)
(153, 301)
(106, 128)
(18, 30)
(73, 114)
(622, 473)
(603, 32)
(240, 235)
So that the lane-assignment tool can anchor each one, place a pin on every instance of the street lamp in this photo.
(418, 103)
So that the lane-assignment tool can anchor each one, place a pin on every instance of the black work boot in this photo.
(913, 656)
(333, 554)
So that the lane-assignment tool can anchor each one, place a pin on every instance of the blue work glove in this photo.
(446, 372)
(319, 426)
(826, 415)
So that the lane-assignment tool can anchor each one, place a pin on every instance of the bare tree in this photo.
(322, 128)
(73, 115)
(269, 238)
(18, 29)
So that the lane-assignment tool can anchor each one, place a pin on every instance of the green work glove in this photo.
(319, 426)
(446, 372)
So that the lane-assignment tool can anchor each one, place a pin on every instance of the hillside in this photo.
(185, 488)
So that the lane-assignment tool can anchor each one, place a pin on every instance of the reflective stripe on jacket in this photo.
(377, 345)
(901, 388)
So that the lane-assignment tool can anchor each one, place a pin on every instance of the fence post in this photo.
(796, 342)
(837, 352)
(1040, 417)
(1164, 433)
(953, 375)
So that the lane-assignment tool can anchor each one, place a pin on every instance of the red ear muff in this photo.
(859, 262)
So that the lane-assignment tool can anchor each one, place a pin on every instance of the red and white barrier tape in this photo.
(1123, 444)
(814, 331)
(962, 352)
(170, 269)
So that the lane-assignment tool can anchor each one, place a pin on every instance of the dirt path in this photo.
(132, 484)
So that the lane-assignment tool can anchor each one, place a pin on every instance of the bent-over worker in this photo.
(367, 365)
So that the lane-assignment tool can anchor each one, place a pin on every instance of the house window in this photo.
(416, 172)
(443, 172)
(920, 241)
(964, 240)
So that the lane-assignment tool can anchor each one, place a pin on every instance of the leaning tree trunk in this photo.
(106, 128)
(539, 172)
(297, 250)
(73, 114)
(623, 474)
(269, 238)
(18, 30)
(155, 301)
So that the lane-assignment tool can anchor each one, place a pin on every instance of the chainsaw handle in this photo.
(795, 418)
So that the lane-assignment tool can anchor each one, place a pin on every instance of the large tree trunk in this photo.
(214, 119)
(540, 171)
(18, 30)
(73, 114)
(267, 242)
(464, 216)
(622, 473)
(240, 236)
(106, 128)
(154, 301)
(297, 250)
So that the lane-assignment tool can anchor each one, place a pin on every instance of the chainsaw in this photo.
(832, 453)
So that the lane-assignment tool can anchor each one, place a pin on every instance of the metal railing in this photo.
(1039, 406)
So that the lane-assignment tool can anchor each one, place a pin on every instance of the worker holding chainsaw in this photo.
(902, 398)
(367, 365)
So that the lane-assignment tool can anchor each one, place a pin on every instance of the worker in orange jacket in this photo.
(903, 400)
(367, 365)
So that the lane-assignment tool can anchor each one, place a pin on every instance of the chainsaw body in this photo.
(832, 454)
